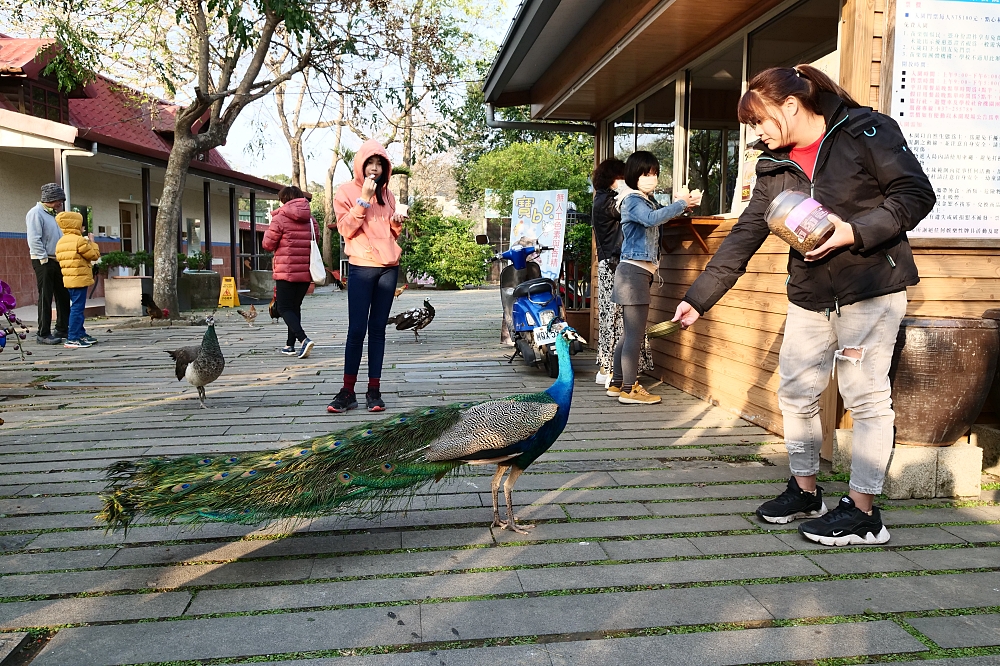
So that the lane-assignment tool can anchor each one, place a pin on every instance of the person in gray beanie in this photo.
(43, 234)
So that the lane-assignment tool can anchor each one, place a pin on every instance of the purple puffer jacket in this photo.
(288, 236)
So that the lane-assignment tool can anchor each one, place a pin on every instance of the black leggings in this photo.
(288, 297)
(630, 344)
(370, 290)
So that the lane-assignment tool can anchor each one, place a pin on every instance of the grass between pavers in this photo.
(932, 650)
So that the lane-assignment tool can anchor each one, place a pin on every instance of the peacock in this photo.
(200, 364)
(414, 319)
(360, 471)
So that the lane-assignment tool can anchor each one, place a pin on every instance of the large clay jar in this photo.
(941, 374)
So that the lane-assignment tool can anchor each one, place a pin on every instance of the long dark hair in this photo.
(607, 172)
(382, 182)
(770, 88)
(639, 164)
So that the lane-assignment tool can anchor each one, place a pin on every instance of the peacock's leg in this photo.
(497, 479)
(508, 488)
(201, 396)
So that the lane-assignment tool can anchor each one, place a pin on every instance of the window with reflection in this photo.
(806, 33)
(654, 129)
(622, 131)
(714, 131)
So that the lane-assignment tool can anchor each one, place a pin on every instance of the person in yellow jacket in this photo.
(74, 254)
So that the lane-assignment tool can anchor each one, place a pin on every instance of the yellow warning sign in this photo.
(228, 298)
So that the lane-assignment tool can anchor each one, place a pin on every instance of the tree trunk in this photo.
(167, 219)
(294, 143)
(329, 216)
(404, 180)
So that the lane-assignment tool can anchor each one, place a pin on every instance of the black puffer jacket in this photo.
(866, 174)
(607, 225)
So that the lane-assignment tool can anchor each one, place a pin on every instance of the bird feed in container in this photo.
(799, 220)
(663, 329)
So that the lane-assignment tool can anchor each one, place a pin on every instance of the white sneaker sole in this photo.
(868, 539)
(781, 520)
(613, 394)
(633, 401)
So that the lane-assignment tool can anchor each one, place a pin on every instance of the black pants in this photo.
(48, 277)
(288, 297)
(370, 291)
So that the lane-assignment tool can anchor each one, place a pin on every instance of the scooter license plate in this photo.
(543, 336)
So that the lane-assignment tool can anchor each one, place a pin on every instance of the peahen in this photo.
(414, 319)
(200, 364)
(356, 472)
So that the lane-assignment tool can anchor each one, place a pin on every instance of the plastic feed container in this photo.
(799, 220)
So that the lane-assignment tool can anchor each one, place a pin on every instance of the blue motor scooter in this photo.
(530, 303)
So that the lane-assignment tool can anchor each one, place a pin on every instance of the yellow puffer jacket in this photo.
(74, 252)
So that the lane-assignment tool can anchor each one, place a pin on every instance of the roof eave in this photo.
(525, 28)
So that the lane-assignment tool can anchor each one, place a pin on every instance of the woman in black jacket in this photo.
(846, 297)
(607, 178)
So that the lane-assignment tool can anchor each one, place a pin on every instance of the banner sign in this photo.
(540, 218)
(946, 99)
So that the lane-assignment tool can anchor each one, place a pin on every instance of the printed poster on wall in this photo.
(946, 99)
(540, 218)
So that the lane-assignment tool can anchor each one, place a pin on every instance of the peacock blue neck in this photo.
(562, 390)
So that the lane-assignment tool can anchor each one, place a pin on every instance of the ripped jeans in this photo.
(811, 345)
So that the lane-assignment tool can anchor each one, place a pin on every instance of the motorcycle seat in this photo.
(537, 286)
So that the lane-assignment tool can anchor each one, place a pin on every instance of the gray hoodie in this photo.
(43, 233)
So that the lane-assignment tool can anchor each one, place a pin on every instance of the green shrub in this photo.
(442, 248)
(577, 246)
(116, 258)
(199, 261)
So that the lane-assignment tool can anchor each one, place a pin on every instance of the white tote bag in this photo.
(317, 271)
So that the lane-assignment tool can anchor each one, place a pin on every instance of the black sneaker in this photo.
(344, 401)
(373, 400)
(846, 525)
(791, 504)
(48, 340)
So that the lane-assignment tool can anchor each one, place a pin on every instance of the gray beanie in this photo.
(52, 192)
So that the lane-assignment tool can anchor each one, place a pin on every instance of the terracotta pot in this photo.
(941, 374)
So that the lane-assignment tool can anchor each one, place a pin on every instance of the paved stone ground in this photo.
(646, 550)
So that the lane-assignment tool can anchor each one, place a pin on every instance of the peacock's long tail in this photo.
(356, 472)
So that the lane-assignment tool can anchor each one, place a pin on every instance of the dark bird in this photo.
(248, 315)
(413, 320)
(365, 470)
(200, 364)
(152, 309)
(335, 279)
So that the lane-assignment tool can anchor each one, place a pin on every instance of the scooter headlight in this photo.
(531, 320)
(546, 316)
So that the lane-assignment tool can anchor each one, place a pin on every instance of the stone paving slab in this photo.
(742, 647)
(880, 595)
(738, 545)
(989, 660)
(18, 614)
(664, 573)
(954, 558)
(975, 533)
(649, 549)
(870, 562)
(911, 536)
(277, 597)
(9, 642)
(516, 655)
(620, 528)
(597, 612)
(231, 637)
(963, 631)
(80, 559)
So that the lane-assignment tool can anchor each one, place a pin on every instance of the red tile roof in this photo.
(118, 116)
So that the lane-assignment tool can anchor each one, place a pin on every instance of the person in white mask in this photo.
(641, 217)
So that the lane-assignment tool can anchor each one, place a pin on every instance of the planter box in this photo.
(198, 290)
(261, 284)
(123, 295)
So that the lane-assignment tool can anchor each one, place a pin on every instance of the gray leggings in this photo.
(629, 345)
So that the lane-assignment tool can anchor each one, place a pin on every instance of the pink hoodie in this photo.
(369, 233)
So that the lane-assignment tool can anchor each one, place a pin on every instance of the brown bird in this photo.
(249, 316)
(152, 309)
(399, 291)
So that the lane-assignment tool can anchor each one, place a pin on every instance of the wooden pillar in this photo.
(857, 34)
(253, 230)
(57, 162)
(234, 234)
(147, 213)
(207, 218)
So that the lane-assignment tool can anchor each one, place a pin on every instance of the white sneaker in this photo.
(602, 377)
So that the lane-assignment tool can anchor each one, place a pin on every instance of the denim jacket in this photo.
(640, 218)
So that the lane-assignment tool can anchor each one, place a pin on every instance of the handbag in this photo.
(317, 270)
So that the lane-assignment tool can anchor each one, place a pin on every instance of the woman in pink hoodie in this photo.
(368, 222)
(290, 236)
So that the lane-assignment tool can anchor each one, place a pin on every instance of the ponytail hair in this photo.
(769, 89)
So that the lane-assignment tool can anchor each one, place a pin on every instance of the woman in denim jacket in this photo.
(641, 217)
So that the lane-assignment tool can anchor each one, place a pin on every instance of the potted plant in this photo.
(198, 286)
(117, 264)
(123, 289)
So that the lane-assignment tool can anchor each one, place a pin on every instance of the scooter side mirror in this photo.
(482, 239)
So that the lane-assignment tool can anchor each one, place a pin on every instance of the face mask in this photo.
(648, 183)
